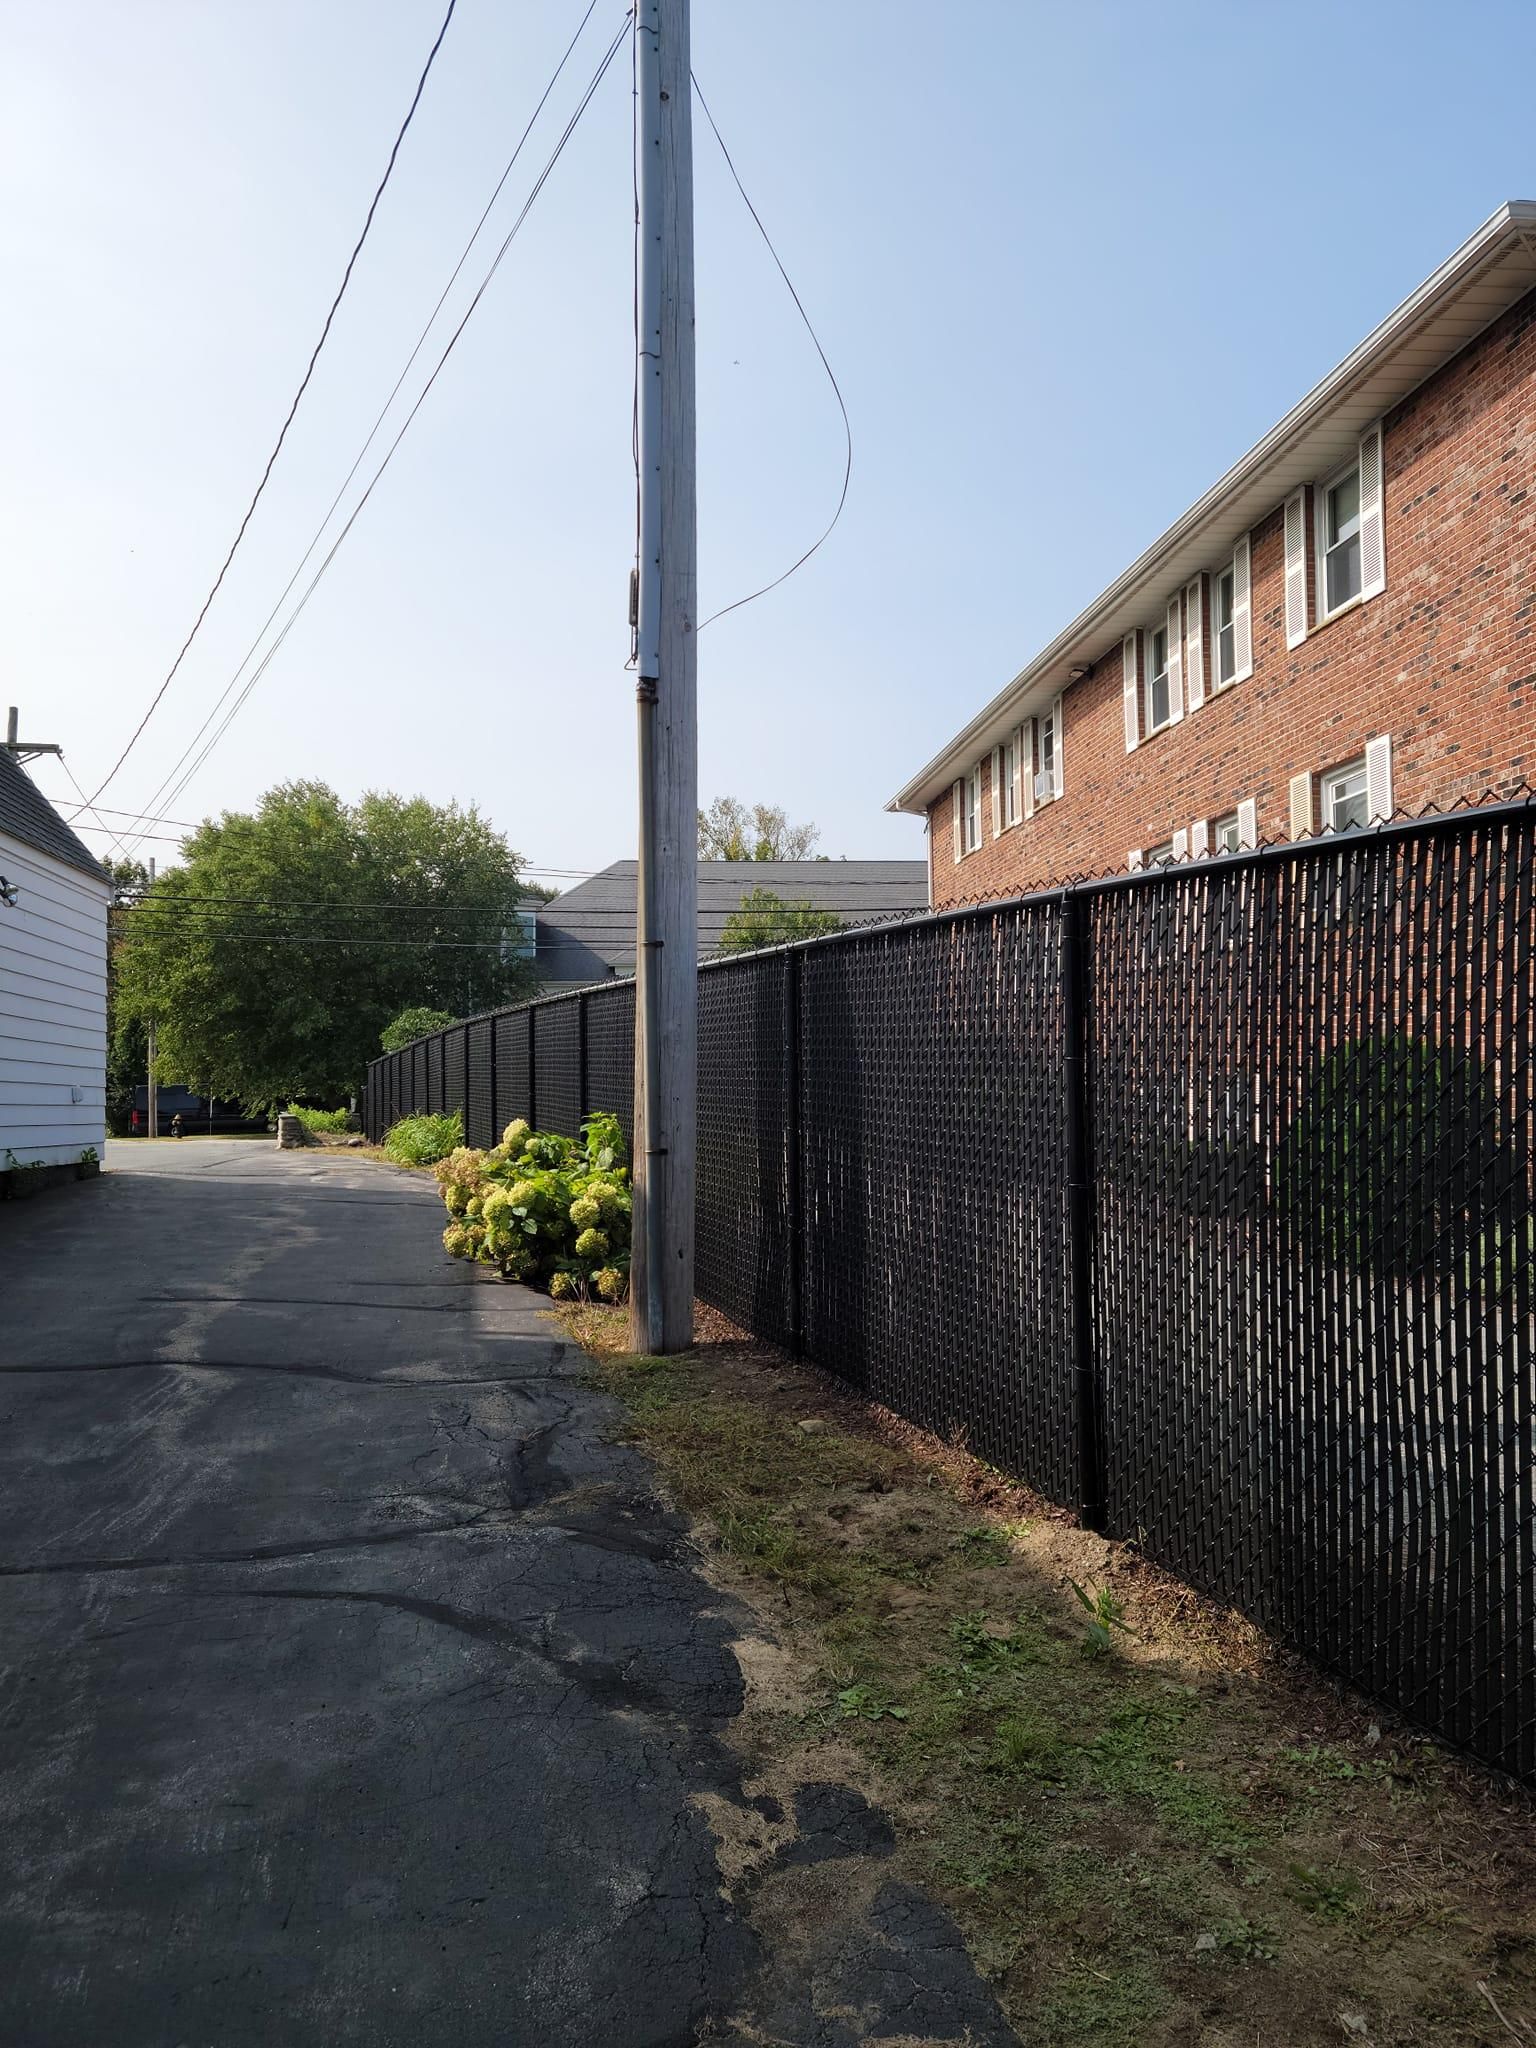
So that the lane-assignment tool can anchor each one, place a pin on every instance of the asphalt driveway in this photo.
(354, 1687)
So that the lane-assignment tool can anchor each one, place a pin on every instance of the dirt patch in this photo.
(1155, 1828)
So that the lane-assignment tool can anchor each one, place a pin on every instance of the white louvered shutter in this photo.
(1242, 610)
(1194, 643)
(958, 794)
(1175, 663)
(1199, 839)
(1134, 859)
(1373, 544)
(1378, 779)
(1018, 770)
(1248, 822)
(1181, 844)
(1295, 568)
(997, 792)
(1130, 667)
(1057, 750)
(1027, 751)
(1301, 805)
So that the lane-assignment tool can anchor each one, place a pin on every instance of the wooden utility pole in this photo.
(152, 1092)
(666, 613)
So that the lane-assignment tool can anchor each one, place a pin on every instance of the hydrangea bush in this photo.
(550, 1211)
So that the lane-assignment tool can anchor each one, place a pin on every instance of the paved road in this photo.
(354, 1690)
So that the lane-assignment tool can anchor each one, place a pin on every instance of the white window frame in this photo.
(1228, 819)
(1153, 725)
(1164, 855)
(1330, 783)
(1219, 682)
(1011, 749)
(970, 838)
(1046, 722)
(1320, 539)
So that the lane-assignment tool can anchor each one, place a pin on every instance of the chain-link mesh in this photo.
(1313, 1125)
(742, 1203)
(611, 1053)
(1304, 1228)
(935, 1181)
(514, 1094)
(557, 1072)
(479, 1105)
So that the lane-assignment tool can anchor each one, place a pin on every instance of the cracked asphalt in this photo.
(355, 1688)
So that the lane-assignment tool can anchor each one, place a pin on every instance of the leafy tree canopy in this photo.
(274, 956)
(729, 830)
(411, 1025)
(765, 919)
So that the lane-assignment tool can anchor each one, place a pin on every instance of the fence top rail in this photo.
(1321, 846)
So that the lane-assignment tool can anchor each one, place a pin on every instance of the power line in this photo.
(314, 583)
(384, 409)
(346, 278)
(831, 379)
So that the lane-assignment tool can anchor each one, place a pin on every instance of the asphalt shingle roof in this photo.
(589, 932)
(27, 815)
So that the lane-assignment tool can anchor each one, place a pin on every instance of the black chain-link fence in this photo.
(1201, 1199)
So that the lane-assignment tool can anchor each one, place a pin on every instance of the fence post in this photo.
(533, 1068)
(796, 1195)
(1079, 1114)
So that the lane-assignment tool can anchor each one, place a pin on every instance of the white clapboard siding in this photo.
(53, 1009)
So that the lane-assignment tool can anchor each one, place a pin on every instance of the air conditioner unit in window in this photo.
(1044, 790)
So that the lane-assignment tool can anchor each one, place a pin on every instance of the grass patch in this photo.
(423, 1140)
(1152, 1828)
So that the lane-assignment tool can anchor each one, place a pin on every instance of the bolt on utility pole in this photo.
(666, 617)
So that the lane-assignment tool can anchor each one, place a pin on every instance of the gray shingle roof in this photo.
(27, 815)
(589, 932)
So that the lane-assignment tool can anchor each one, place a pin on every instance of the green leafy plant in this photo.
(765, 919)
(319, 1119)
(1329, 1898)
(424, 1140)
(1247, 1941)
(545, 1209)
(1105, 1615)
(411, 1025)
(867, 1703)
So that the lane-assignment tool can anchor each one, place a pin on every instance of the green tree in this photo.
(413, 1024)
(765, 919)
(730, 830)
(274, 956)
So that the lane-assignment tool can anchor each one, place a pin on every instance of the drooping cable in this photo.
(842, 498)
(373, 431)
(346, 278)
(336, 545)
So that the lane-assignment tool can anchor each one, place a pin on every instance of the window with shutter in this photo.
(1175, 662)
(1199, 839)
(1048, 754)
(1225, 835)
(1346, 804)
(1295, 569)
(957, 796)
(1159, 700)
(973, 809)
(1017, 779)
(1130, 670)
(1378, 779)
(1248, 822)
(1242, 610)
(1058, 750)
(1030, 745)
(1373, 546)
(1338, 541)
(1194, 643)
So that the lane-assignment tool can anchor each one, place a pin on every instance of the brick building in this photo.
(1342, 626)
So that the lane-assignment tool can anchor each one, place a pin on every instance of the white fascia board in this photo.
(1486, 276)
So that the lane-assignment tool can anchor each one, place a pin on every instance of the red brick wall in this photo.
(1444, 659)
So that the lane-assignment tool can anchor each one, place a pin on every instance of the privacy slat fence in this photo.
(1201, 1200)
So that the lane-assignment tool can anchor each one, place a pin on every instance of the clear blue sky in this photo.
(1067, 261)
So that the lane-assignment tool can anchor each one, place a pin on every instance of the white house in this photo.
(53, 982)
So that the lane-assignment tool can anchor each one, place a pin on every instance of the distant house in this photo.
(53, 982)
(588, 934)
